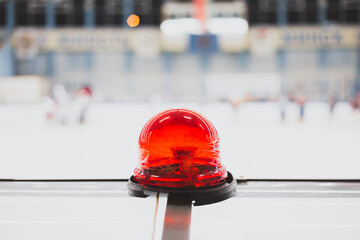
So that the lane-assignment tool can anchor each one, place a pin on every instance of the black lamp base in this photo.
(199, 196)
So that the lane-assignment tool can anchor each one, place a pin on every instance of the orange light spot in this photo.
(133, 20)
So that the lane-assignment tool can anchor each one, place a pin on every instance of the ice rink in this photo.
(254, 142)
(279, 80)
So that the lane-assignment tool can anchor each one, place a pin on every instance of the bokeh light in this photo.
(133, 20)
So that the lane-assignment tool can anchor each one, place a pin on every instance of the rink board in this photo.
(104, 210)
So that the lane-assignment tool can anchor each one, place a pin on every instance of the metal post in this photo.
(10, 16)
(50, 69)
(6, 60)
(205, 64)
(244, 58)
(89, 15)
(10, 25)
(281, 54)
(357, 80)
(282, 12)
(128, 9)
(177, 218)
(281, 59)
(50, 24)
(167, 58)
(321, 11)
(50, 14)
(322, 53)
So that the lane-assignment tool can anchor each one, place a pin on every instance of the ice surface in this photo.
(254, 143)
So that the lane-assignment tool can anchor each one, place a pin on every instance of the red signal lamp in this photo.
(179, 154)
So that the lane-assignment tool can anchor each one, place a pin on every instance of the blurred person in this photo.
(353, 104)
(81, 102)
(291, 96)
(236, 101)
(357, 101)
(332, 103)
(48, 105)
(301, 100)
(62, 104)
(283, 101)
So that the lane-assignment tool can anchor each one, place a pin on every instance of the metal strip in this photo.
(177, 217)
(155, 215)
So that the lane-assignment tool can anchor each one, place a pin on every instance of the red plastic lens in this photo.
(179, 148)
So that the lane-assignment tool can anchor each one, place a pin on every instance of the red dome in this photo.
(179, 148)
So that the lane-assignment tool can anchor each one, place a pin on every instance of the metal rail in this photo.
(177, 218)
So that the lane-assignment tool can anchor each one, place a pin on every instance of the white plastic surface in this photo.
(73, 210)
(312, 211)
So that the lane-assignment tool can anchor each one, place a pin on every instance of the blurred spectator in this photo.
(236, 102)
(62, 104)
(353, 104)
(81, 102)
(357, 102)
(283, 101)
(301, 100)
(332, 103)
(64, 108)
(49, 106)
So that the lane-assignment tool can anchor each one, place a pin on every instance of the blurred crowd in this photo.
(66, 108)
(292, 97)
